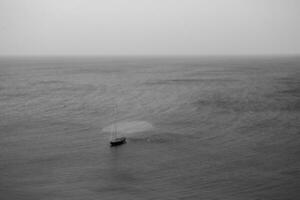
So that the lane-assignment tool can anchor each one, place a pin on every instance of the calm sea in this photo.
(197, 128)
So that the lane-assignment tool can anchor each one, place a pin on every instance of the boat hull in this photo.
(118, 141)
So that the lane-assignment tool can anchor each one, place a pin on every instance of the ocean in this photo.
(197, 127)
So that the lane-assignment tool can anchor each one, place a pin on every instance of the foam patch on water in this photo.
(129, 127)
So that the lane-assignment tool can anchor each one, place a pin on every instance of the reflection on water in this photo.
(197, 128)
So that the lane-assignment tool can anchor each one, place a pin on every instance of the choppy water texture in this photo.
(197, 128)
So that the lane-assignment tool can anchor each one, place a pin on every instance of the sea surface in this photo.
(196, 128)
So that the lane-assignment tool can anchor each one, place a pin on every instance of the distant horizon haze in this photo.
(149, 27)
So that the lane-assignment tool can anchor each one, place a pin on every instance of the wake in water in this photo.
(129, 127)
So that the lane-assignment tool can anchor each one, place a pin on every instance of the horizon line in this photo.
(152, 55)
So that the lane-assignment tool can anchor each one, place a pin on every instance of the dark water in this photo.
(220, 128)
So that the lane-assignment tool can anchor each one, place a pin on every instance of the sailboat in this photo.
(115, 139)
(118, 141)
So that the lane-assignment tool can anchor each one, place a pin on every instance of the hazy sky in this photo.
(108, 27)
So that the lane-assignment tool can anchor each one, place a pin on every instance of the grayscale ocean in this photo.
(196, 128)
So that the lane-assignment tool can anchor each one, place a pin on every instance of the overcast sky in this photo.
(160, 27)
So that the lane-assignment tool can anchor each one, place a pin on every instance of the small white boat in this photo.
(118, 141)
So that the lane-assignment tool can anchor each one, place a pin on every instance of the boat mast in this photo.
(115, 122)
